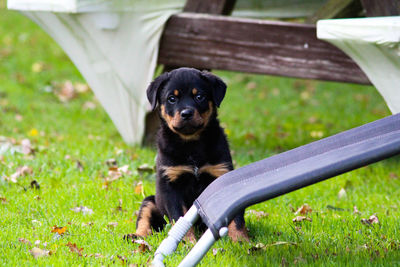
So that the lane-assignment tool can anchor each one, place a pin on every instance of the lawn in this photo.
(68, 141)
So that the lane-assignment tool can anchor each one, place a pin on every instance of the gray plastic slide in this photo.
(278, 175)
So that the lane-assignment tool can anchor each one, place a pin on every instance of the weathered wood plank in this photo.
(254, 46)
(217, 7)
(374, 8)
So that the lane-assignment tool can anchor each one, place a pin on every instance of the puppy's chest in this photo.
(192, 170)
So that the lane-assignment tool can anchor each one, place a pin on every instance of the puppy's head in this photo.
(187, 99)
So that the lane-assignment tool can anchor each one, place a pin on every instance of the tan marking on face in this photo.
(176, 92)
(207, 115)
(170, 120)
(173, 172)
(198, 119)
(237, 234)
(194, 91)
(143, 226)
(215, 170)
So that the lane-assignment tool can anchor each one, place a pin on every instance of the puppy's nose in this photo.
(187, 113)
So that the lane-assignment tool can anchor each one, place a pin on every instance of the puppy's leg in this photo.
(237, 230)
(149, 218)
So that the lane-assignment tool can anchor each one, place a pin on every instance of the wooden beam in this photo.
(216, 7)
(374, 8)
(254, 46)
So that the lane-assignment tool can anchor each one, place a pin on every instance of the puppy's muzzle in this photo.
(187, 114)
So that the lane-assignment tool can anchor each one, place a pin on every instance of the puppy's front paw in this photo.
(132, 237)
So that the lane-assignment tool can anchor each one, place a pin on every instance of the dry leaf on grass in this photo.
(74, 249)
(259, 214)
(66, 92)
(59, 230)
(3, 200)
(356, 211)
(303, 210)
(79, 166)
(21, 171)
(139, 188)
(112, 224)
(146, 168)
(261, 246)
(301, 218)
(342, 193)
(37, 252)
(111, 163)
(89, 105)
(143, 245)
(373, 219)
(25, 241)
(84, 210)
(215, 251)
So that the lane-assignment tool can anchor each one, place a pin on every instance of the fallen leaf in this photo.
(301, 218)
(259, 214)
(81, 87)
(67, 92)
(26, 147)
(3, 200)
(21, 171)
(261, 246)
(112, 224)
(89, 105)
(342, 193)
(84, 210)
(122, 258)
(145, 168)
(125, 170)
(18, 117)
(119, 207)
(96, 255)
(251, 85)
(334, 208)
(37, 252)
(355, 210)
(74, 249)
(36, 222)
(37, 67)
(373, 219)
(87, 224)
(215, 251)
(25, 241)
(111, 163)
(317, 134)
(59, 230)
(303, 210)
(79, 166)
(143, 245)
(139, 188)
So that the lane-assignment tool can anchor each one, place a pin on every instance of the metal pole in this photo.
(175, 235)
(201, 248)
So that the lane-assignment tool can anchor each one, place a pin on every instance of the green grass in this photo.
(262, 115)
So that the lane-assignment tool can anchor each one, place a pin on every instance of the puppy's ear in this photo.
(154, 89)
(217, 85)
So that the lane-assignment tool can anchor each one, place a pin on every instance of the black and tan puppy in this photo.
(192, 147)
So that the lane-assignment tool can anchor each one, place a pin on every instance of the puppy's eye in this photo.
(172, 99)
(199, 97)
